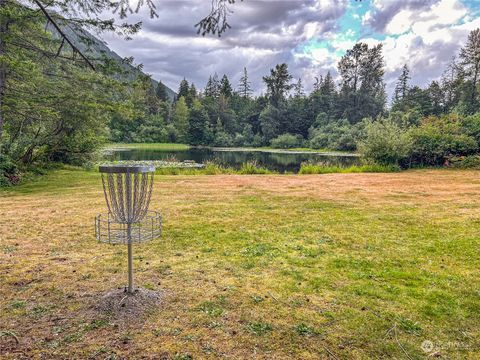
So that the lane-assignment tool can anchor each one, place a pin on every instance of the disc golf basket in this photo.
(127, 190)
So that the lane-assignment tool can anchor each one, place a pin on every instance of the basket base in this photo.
(109, 231)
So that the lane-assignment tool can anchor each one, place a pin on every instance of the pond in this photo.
(276, 160)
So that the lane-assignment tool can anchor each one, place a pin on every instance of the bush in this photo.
(223, 139)
(287, 141)
(385, 143)
(464, 162)
(337, 135)
(9, 174)
(439, 138)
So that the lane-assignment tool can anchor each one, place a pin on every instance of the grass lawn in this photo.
(340, 266)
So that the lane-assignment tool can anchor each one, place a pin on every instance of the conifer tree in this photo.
(180, 118)
(401, 88)
(161, 92)
(183, 89)
(299, 91)
(213, 87)
(244, 87)
(470, 60)
(363, 90)
(225, 87)
(278, 83)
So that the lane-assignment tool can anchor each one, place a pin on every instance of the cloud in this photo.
(309, 35)
(263, 34)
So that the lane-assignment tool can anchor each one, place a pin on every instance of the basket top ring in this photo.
(120, 169)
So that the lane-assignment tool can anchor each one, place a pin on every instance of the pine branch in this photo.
(63, 35)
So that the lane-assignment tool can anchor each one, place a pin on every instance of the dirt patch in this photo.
(124, 307)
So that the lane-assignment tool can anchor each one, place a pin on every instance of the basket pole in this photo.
(130, 259)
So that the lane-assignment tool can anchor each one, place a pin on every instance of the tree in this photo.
(212, 89)
(363, 90)
(401, 88)
(197, 133)
(183, 89)
(78, 16)
(193, 92)
(323, 98)
(299, 91)
(317, 83)
(435, 93)
(451, 81)
(161, 92)
(470, 60)
(180, 118)
(270, 119)
(225, 87)
(244, 88)
(278, 83)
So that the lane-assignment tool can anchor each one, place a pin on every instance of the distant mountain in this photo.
(94, 47)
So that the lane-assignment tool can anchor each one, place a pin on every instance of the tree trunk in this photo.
(3, 68)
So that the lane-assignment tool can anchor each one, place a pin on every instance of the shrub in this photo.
(336, 135)
(470, 125)
(439, 138)
(9, 174)
(385, 143)
(464, 162)
(223, 139)
(287, 141)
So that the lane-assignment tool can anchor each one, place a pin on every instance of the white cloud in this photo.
(400, 23)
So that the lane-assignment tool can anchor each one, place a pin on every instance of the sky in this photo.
(310, 36)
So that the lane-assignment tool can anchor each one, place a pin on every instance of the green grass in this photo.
(150, 146)
(308, 168)
(346, 266)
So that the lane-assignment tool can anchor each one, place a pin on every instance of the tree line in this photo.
(333, 116)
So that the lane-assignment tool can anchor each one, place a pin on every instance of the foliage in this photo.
(309, 168)
(438, 138)
(9, 174)
(362, 91)
(287, 141)
(385, 143)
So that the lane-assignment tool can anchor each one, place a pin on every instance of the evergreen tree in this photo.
(401, 88)
(470, 60)
(436, 96)
(244, 88)
(317, 83)
(197, 133)
(180, 118)
(183, 89)
(225, 87)
(323, 99)
(278, 83)
(299, 91)
(213, 87)
(270, 122)
(161, 92)
(451, 81)
(193, 92)
(363, 89)
(419, 100)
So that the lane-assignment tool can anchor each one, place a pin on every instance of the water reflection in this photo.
(281, 162)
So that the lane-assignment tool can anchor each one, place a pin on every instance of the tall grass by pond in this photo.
(252, 168)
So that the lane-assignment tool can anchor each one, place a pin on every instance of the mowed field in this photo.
(339, 266)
